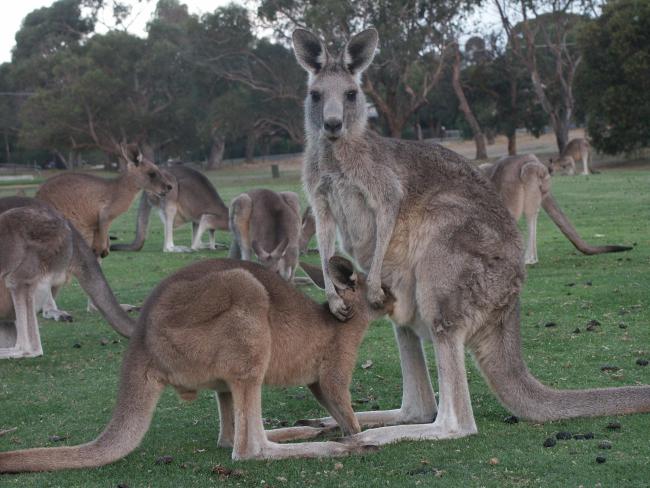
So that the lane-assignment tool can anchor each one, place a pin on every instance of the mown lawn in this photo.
(70, 391)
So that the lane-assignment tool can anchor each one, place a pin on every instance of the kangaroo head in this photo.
(563, 165)
(283, 259)
(145, 173)
(335, 106)
(351, 286)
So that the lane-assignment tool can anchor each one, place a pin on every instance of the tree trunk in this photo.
(249, 154)
(479, 138)
(512, 143)
(215, 159)
(7, 148)
(561, 129)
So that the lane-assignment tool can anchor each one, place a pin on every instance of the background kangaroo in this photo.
(193, 198)
(577, 150)
(524, 184)
(38, 250)
(229, 326)
(91, 203)
(267, 222)
(307, 230)
(421, 220)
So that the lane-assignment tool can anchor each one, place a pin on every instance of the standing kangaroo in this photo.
(421, 220)
(193, 198)
(524, 184)
(230, 326)
(38, 250)
(267, 222)
(91, 203)
(576, 150)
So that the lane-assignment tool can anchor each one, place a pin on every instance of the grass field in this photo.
(70, 391)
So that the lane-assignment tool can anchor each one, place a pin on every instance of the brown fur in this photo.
(38, 251)
(91, 203)
(307, 229)
(524, 184)
(230, 326)
(576, 151)
(267, 222)
(193, 198)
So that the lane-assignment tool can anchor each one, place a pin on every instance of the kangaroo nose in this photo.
(333, 125)
(169, 187)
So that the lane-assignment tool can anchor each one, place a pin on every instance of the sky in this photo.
(14, 13)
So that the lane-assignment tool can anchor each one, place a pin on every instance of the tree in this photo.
(544, 41)
(413, 37)
(614, 82)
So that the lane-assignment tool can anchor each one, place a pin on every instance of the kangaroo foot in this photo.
(57, 315)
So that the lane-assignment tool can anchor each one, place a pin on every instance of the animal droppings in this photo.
(642, 362)
(579, 437)
(76, 345)
(164, 460)
(604, 445)
(57, 438)
(609, 367)
(613, 426)
(577, 330)
(589, 435)
(563, 436)
(550, 324)
(512, 419)
(549, 442)
(600, 460)
(622, 325)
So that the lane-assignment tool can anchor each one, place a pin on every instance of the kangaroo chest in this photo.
(355, 219)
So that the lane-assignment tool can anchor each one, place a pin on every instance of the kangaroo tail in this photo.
(498, 353)
(141, 226)
(91, 278)
(137, 397)
(553, 210)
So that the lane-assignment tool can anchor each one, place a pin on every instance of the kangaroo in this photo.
(230, 326)
(91, 203)
(193, 198)
(267, 222)
(417, 217)
(524, 184)
(576, 150)
(307, 230)
(38, 250)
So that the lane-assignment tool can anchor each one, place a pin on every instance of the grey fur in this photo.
(420, 219)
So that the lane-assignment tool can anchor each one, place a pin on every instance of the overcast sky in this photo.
(14, 13)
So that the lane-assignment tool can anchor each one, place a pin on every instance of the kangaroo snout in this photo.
(333, 126)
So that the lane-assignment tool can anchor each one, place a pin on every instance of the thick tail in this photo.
(91, 278)
(137, 398)
(498, 353)
(141, 226)
(553, 210)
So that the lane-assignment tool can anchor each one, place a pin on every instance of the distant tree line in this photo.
(207, 87)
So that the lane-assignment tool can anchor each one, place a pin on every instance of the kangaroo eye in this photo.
(351, 95)
(151, 174)
(315, 96)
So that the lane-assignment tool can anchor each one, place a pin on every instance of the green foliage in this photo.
(614, 82)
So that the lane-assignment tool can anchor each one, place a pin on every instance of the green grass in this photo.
(70, 391)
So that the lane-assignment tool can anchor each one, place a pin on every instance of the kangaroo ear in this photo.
(309, 51)
(342, 272)
(280, 248)
(360, 50)
(261, 253)
(315, 274)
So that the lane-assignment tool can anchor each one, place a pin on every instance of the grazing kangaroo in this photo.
(38, 251)
(230, 326)
(193, 198)
(91, 203)
(576, 150)
(267, 222)
(421, 220)
(307, 230)
(524, 184)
